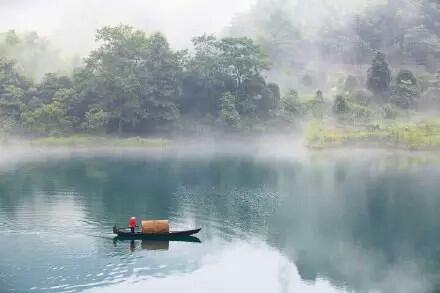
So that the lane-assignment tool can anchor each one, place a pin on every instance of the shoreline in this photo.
(320, 141)
(88, 142)
(410, 136)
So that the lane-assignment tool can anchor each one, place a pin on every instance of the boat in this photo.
(156, 239)
(127, 234)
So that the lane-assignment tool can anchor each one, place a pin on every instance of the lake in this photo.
(342, 221)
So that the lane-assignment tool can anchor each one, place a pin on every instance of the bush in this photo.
(404, 95)
(340, 106)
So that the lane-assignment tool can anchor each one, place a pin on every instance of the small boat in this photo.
(126, 233)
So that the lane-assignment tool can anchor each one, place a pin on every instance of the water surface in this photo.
(316, 223)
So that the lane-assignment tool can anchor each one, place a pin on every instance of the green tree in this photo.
(50, 84)
(241, 59)
(379, 75)
(13, 91)
(405, 92)
(159, 74)
(228, 113)
(341, 106)
(95, 120)
(135, 76)
(49, 119)
(114, 67)
(226, 65)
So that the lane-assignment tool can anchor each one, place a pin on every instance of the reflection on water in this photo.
(233, 267)
(364, 224)
(153, 244)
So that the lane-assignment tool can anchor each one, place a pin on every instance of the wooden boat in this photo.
(126, 233)
(157, 238)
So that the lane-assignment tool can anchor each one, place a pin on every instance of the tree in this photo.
(13, 91)
(34, 54)
(95, 120)
(271, 98)
(159, 73)
(406, 77)
(379, 75)
(405, 92)
(224, 65)
(204, 80)
(274, 31)
(114, 66)
(291, 103)
(340, 106)
(317, 105)
(50, 84)
(228, 113)
(136, 77)
(351, 83)
(49, 119)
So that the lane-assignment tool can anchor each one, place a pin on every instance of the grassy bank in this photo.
(99, 141)
(423, 135)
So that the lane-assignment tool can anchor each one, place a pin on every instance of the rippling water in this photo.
(270, 224)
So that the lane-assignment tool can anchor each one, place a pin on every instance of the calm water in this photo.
(350, 223)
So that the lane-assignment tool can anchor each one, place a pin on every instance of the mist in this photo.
(300, 138)
(71, 25)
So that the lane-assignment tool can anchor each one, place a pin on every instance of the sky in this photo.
(71, 24)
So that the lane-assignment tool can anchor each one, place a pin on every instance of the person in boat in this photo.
(132, 224)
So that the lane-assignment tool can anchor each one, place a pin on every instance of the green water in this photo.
(312, 223)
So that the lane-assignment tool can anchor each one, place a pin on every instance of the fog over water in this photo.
(273, 220)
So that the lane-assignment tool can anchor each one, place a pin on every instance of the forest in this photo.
(371, 75)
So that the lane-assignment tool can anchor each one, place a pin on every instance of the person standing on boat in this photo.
(132, 224)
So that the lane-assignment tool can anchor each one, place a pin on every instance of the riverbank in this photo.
(92, 141)
(422, 135)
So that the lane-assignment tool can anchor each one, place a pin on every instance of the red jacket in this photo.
(132, 223)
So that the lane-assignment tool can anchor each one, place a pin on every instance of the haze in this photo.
(72, 24)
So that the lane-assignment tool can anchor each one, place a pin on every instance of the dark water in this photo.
(317, 224)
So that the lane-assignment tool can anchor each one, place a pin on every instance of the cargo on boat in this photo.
(155, 227)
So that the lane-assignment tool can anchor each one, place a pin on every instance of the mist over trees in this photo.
(34, 54)
(311, 37)
(135, 83)
(269, 71)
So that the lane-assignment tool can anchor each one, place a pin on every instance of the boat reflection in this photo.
(154, 244)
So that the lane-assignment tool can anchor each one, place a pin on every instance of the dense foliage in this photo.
(135, 83)
(380, 63)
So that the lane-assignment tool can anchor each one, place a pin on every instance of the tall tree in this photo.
(159, 73)
(136, 76)
(114, 66)
(379, 75)
(225, 65)
(13, 90)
